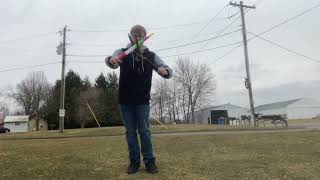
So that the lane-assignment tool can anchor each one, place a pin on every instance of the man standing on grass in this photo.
(134, 97)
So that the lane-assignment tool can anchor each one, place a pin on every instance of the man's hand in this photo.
(162, 71)
(114, 60)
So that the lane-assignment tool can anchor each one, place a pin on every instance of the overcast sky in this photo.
(28, 37)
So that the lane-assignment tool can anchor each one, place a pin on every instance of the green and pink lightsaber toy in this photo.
(124, 54)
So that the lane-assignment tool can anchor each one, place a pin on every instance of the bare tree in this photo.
(192, 86)
(3, 103)
(172, 100)
(32, 94)
(196, 84)
(89, 96)
(166, 99)
(4, 108)
(158, 99)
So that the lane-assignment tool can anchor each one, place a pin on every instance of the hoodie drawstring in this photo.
(133, 58)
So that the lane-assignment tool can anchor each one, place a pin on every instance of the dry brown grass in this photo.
(289, 155)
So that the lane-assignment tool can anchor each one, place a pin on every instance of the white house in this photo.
(303, 108)
(17, 123)
(206, 115)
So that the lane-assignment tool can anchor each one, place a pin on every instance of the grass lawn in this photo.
(303, 121)
(282, 155)
(109, 131)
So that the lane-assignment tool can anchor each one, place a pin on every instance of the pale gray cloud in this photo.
(276, 93)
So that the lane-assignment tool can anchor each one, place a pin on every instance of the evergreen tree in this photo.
(52, 113)
(73, 86)
(112, 80)
(101, 82)
(86, 84)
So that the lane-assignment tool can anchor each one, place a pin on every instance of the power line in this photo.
(174, 47)
(28, 67)
(235, 20)
(228, 26)
(290, 19)
(182, 25)
(97, 61)
(100, 31)
(155, 28)
(87, 55)
(230, 51)
(103, 45)
(226, 54)
(285, 48)
(203, 34)
(183, 45)
(225, 28)
(215, 17)
(233, 15)
(152, 28)
(206, 25)
(222, 30)
(28, 37)
(193, 52)
(274, 27)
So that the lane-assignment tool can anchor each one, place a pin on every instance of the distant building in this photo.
(209, 115)
(16, 123)
(303, 108)
(23, 124)
(32, 125)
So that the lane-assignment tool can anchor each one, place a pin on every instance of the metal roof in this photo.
(228, 105)
(16, 119)
(277, 105)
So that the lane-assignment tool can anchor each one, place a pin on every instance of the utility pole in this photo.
(245, 45)
(62, 47)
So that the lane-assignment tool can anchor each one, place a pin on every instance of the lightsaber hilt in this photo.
(124, 54)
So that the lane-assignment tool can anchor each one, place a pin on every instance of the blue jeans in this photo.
(136, 117)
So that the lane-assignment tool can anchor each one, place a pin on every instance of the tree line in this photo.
(40, 100)
(174, 100)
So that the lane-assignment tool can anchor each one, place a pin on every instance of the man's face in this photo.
(137, 36)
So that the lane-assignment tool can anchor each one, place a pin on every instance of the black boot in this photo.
(133, 168)
(151, 167)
